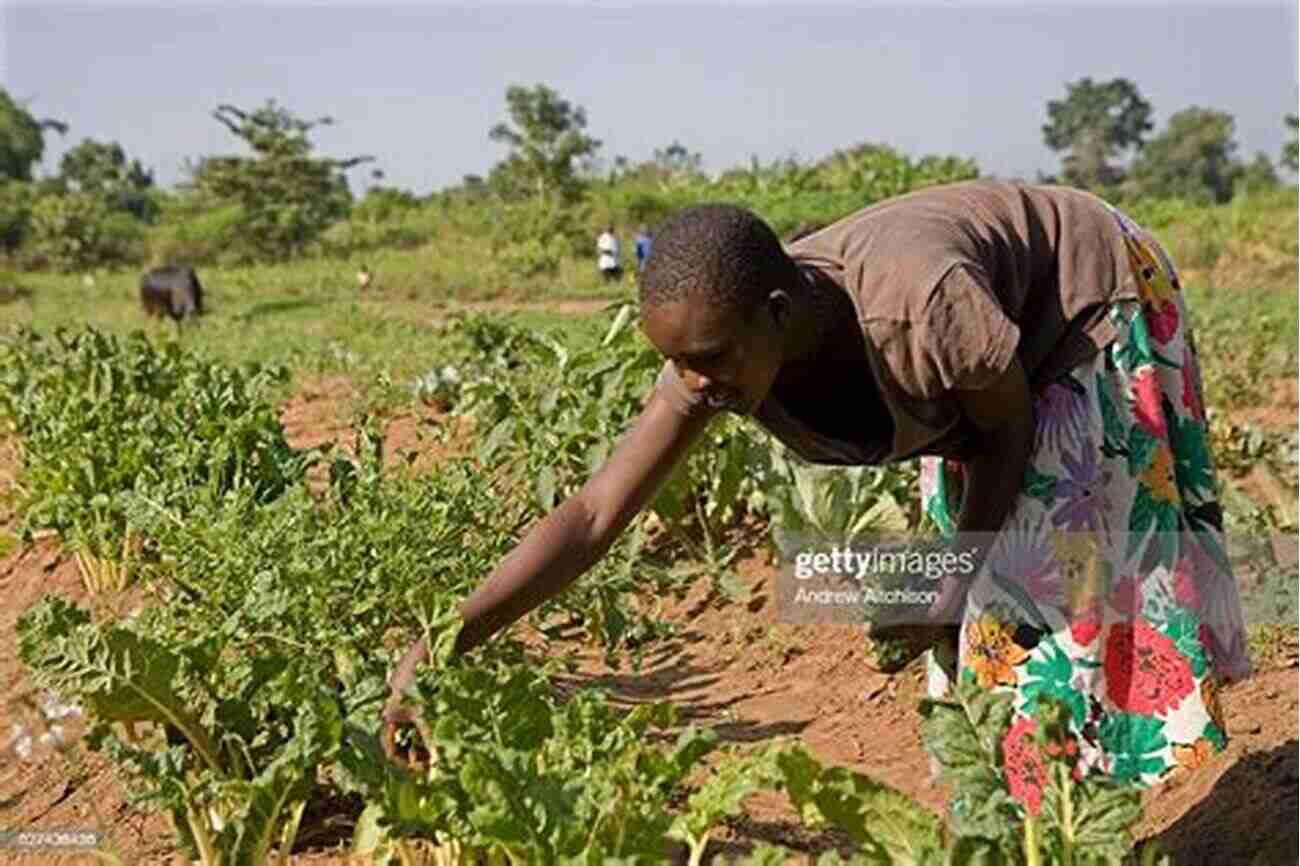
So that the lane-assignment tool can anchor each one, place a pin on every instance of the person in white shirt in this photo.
(608, 255)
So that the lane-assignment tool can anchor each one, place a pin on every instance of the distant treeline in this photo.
(551, 194)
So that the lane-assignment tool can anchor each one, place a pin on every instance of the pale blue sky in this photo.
(419, 85)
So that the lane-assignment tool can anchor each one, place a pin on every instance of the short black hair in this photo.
(719, 252)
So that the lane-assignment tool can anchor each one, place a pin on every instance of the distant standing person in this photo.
(607, 255)
(642, 248)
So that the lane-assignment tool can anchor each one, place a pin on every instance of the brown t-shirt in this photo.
(949, 283)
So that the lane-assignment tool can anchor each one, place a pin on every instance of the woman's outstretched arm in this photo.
(572, 538)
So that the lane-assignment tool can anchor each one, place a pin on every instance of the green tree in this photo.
(1257, 176)
(676, 161)
(1194, 158)
(545, 136)
(22, 138)
(287, 195)
(1291, 150)
(101, 169)
(1095, 123)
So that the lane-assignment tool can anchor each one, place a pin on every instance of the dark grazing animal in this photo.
(172, 291)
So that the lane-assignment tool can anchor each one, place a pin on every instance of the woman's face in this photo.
(731, 363)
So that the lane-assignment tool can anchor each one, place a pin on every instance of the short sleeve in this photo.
(671, 387)
(966, 340)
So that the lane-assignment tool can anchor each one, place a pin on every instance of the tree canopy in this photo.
(101, 169)
(22, 138)
(546, 137)
(1092, 125)
(287, 195)
(1194, 158)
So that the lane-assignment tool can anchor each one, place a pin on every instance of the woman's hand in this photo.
(395, 713)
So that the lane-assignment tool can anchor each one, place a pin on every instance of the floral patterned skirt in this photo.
(1109, 587)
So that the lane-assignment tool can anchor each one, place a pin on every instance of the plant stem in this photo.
(290, 832)
(704, 527)
(1067, 815)
(1031, 842)
(697, 848)
(199, 829)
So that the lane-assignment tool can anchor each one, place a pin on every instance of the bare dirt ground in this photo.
(733, 667)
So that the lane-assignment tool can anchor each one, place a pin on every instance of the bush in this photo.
(77, 232)
(200, 237)
(16, 200)
(353, 236)
(532, 257)
(384, 204)
(144, 205)
(531, 238)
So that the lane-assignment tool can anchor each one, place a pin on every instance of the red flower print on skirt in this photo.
(1162, 320)
(1086, 626)
(1147, 410)
(1145, 672)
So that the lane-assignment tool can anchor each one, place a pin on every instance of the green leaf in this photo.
(1193, 469)
(732, 587)
(1215, 735)
(878, 817)
(800, 772)
(370, 839)
(118, 675)
(1141, 446)
(546, 488)
(1103, 812)
(884, 516)
(891, 827)
(497, 437)
(722, 795)
(1135, 742)
(1183, 628)
(964, 735)
(1052, 672)
(766, 854)
(1039, 486)
(977, 851)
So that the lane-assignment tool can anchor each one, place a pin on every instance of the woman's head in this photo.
(714, 298)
